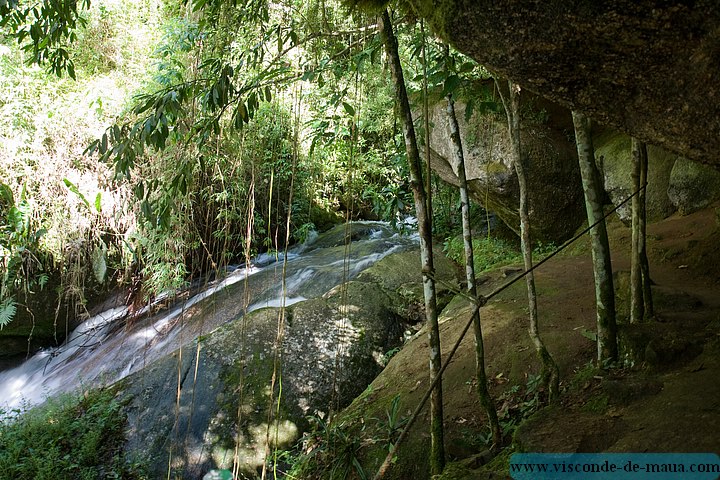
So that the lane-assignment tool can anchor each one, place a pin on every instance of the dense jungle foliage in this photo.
(215, 143)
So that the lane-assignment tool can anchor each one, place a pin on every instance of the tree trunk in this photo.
(437, 449)
(602, 268)
(637, 307)
(549, 375)
(642, 239)
(458, 158)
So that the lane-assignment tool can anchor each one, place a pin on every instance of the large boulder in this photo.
(649, 68)
(614, 157)
(674, 182)
(555, 190)
(692, 186)
(232, 395)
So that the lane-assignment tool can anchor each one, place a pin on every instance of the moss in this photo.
(614, 157)
(583, 376)
(693, 186)
(454, 471)
(439, 13)
(501, 463)
(596, 404)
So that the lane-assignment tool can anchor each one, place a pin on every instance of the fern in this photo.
(8, 309)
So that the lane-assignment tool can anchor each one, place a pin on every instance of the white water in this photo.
(106, 348)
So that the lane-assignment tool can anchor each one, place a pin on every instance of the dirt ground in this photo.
(665, 397)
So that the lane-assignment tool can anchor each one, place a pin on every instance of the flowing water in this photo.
(108, 347)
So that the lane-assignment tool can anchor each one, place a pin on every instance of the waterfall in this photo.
(107, 347)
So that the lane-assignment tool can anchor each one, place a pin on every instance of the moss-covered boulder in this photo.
(614, 157)
(232, 395)
(693, 186)
(554, 188)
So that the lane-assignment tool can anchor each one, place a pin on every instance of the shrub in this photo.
(68, 437)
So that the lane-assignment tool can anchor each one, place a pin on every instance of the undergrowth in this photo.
(69, 437)
(490, 252)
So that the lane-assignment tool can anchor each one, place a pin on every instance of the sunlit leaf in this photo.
(349, 109)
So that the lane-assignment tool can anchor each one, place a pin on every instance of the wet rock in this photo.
(240, 395)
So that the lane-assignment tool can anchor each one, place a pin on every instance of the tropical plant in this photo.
(22, 269)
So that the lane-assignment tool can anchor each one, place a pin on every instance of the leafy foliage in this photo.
(489, 252)
(335, 450)
(44, 29)
(68, 437)
(22, 270)
(329, 452)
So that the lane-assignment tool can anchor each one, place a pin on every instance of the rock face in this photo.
(555, 190)
(692, 186)
(332, 348)
(648, 68)
(46, 319)
(613, 155)
(674, 183)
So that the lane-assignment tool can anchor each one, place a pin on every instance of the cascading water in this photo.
(107, 348)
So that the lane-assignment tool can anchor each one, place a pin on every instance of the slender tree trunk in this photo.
(637, 306)
(602, 268)
(642, 239)
(486, 399)
(550, 375)
(437, 449)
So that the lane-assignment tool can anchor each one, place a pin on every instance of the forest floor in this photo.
(664, 398)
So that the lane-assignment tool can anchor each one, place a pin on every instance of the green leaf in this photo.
(589, 334)
(100, 263)
(98, 202)
(349, 109)
(73, 188)
(451, 84)
(242, 112)
(7, 311)
(6, 195)
(103, 144)
(42, 280)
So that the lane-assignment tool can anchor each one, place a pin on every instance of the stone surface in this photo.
(648, 68)
(555, 191)
(692, 186)
(614, 157)
(332, 348)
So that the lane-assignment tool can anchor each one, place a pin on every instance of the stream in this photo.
(108, 347)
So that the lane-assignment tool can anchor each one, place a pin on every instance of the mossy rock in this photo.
(693, 186)
(658, 345)
(400, 277)
(587, 431)
(47, 319)
(554, 187)
(332, 348)
(614, 157)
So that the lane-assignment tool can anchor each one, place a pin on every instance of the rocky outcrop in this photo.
(692, 186)
(555, 191)
(229, 395)
(557, 205)
(614, 157)
(674, 183)
(648, 68)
